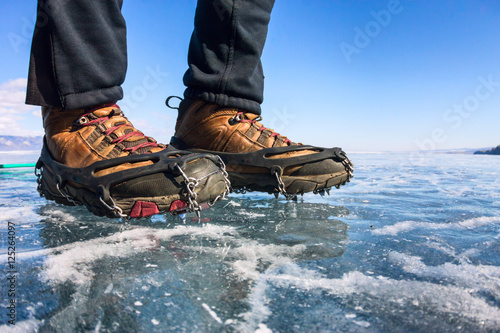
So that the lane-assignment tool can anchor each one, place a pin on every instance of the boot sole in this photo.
(293, 185)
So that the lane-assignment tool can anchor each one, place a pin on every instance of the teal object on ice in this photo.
(24, 165)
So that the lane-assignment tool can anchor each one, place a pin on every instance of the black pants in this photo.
(79, 53)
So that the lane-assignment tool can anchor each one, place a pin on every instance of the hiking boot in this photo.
(97, 158)
(256, 157)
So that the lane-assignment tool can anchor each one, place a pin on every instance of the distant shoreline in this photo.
(492, 151)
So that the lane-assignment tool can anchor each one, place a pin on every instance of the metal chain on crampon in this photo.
(62, 192)
(227, 183)
(67, 196)
(117, 211)
(281, 185)
(191, 184)
(241, 190)
(349, 168)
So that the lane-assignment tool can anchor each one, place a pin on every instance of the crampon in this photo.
(180, 182)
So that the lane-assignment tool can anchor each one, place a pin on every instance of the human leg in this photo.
(79, 54)
(224, 53)
(92, 154)
(220, 112)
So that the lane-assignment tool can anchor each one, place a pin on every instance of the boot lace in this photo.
(146, 144)
(241, 117)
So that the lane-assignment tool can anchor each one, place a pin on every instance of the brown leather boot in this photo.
(96, 157)
(256, 157)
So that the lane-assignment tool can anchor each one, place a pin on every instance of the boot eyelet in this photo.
(82, 121)
(234, 120)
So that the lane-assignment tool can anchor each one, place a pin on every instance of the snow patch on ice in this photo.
(387, 292)
(263, 329)
(406, 226)
(212, 313)
(475, 277)
(259, 311)
(29, 325)
(74, 262)
(18, 215)
(252, 255)
(57, 215)
(361, 323)
(250, 214)
(232, 203)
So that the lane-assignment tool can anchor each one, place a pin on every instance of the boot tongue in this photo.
(251, 116)
(105, 112)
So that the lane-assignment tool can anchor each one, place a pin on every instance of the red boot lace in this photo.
(241, 117)
(110, 130)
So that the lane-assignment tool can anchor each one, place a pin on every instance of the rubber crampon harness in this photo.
(276, 166)
(100, 201)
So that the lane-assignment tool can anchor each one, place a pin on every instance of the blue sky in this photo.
(362, 75)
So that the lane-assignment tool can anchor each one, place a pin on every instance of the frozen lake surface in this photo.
(410, 245)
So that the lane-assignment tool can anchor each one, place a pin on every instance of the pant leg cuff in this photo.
(91, 98)
(223, 100)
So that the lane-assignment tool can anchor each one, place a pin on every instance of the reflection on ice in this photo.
(218, 262)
